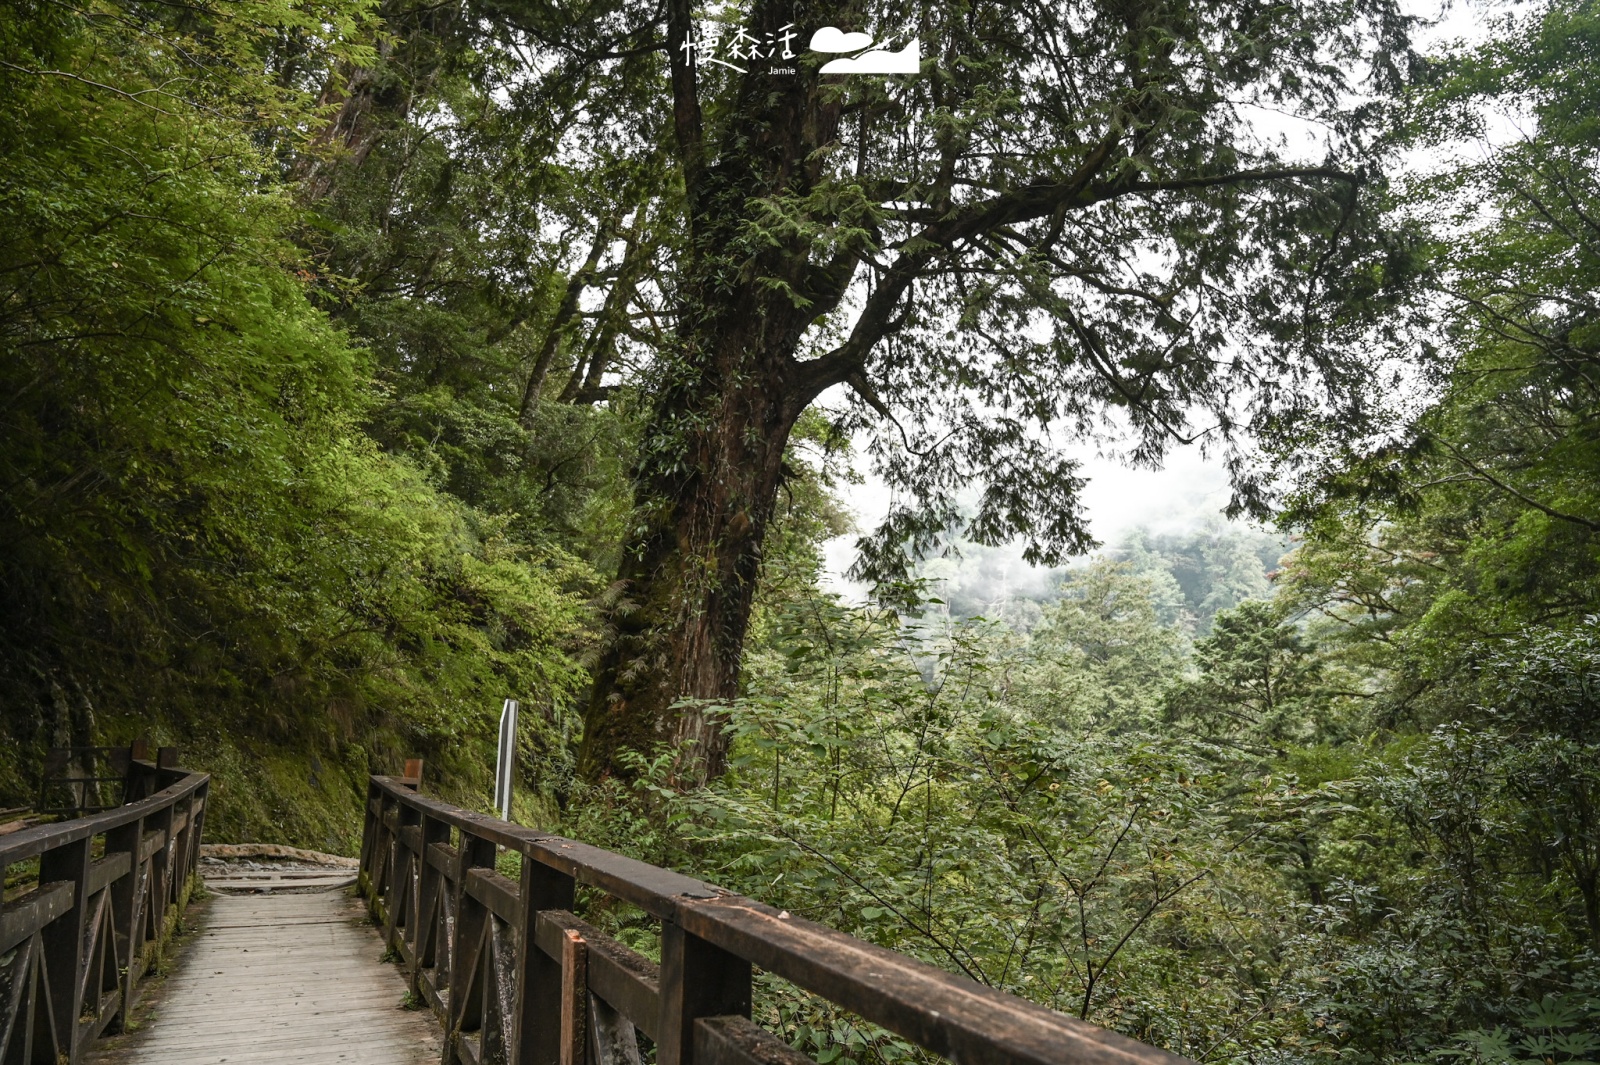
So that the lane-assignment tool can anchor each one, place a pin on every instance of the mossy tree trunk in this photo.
(712, 458)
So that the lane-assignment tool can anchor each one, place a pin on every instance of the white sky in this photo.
(1186, 492)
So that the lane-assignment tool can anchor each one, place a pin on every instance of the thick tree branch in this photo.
(1242, 177)
(687, 126)
(1481, 474)
(559, 322)
(1030, 203)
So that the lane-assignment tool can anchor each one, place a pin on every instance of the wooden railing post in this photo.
(468, 948)
(202, 798)
(574, 1013)
(400, 878)
(185, 851)
(430, 884)
(538, 1028)
(160, 870)
(697, 980)
(371, 825)
(127, 910)
(384, 858)
(63, 939)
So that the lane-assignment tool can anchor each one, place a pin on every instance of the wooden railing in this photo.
(75, 779)
(108, 890)
(515, 976)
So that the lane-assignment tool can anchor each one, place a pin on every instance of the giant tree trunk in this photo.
(712, 457)
(688, 577)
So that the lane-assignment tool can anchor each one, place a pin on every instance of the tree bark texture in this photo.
(712, 458)
(689, 574)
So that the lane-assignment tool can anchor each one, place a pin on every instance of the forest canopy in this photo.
(366, 362)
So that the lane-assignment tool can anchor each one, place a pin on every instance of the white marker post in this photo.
(505, 760)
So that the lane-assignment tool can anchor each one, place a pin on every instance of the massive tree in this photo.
(1074, 215)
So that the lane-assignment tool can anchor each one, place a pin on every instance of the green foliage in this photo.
(1479, 517)
(202, 539)
(1260, 885)
(1564, 1029)
(1439, 912)
(1260, 682)
(1193, 574)
(914, 788)
(1102, 659)
(319, 429)
(1213, 568)
(1452, 566)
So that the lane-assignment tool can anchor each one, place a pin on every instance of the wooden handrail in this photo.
(515, 976)
(74, 946)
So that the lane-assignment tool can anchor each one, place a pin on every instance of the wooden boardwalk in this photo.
(280, 978)
(286, 974)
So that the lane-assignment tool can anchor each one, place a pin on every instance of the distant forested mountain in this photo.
(1195, 574)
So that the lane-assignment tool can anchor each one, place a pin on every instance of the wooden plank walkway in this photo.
(280, 978)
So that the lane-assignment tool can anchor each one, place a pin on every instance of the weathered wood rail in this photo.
(74, 946)
(514, 976)
(74, 778)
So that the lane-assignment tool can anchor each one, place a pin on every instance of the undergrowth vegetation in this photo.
(202, 542)
(1202, 883)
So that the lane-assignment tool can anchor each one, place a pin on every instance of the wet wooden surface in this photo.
(281, 977)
